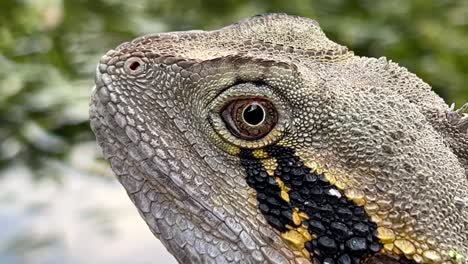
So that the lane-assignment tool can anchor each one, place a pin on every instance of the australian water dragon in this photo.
(265, 142)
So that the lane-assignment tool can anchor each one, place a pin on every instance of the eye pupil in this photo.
(250, 118)
(254, 114)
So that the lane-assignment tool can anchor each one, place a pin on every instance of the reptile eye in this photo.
(250, 119)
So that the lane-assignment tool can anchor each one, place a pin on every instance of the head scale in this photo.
(352, 159)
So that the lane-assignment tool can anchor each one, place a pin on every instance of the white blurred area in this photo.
(71, 218)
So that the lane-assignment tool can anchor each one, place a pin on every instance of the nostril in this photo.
(134, 65)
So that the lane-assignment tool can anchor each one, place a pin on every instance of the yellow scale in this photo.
(398, 244)
(296, 236)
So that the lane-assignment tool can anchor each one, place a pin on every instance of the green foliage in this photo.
(49, 49)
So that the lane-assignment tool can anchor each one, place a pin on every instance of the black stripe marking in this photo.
(276, 211)
(345, 233)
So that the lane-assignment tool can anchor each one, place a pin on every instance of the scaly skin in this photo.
(364, 165)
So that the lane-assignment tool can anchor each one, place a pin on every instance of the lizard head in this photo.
(264, 141)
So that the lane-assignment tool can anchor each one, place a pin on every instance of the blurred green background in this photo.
(48, 53)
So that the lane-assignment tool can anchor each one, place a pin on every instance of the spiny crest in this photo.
(459, 118)
(294, 31)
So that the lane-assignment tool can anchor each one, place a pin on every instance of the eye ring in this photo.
(233, 114)
(134, 65)
(227, 138)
